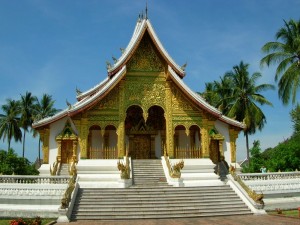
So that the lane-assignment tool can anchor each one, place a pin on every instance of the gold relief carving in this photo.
(121, 125)
(45, 139)
(111, 101)
(145, 57)
(233, 135)
(83, 138)
(169, 124)
(145, 93)
(103, 123)
(94, 119)
(179, 102)
(186, 121)
(204, 142)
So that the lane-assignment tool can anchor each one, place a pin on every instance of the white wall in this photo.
(157, 145)
(223, 130)
(55, 129)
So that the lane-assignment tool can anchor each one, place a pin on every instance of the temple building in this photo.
(142, 109)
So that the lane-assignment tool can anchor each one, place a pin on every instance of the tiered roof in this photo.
(117, 71)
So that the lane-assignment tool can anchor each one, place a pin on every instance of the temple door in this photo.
(140, 147)
(214, 152)
(66, 151)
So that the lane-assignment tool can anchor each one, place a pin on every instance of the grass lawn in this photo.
(6, 221)
(292, 213)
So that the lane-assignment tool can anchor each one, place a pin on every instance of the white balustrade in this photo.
(34, 179)
(270, 176)
(272, 183)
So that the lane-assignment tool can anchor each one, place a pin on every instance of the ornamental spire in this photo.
(146, 10)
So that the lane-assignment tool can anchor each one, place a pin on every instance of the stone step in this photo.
(147, 209)
(152, 197)
(188, 202)
(155, 215)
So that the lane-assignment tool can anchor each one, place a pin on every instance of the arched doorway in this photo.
(216, 146)
(67, 145)
(144, 138)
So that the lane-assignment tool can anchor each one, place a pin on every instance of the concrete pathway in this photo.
(227, 220)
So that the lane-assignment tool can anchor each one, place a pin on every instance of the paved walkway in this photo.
(228, 220)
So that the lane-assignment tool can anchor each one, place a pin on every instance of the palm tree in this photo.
(43, 109)
(245, 99)
(285, 53)
(9, 122)
(27, 104)
(217, 93)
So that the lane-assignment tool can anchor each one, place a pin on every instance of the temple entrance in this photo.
(144, 137)
(66, 151)
(140, 147)
(214, 152)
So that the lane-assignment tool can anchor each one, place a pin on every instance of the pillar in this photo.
(169, 123)
(233, 135)
(122, 117)
(45, 140)
(83, 138)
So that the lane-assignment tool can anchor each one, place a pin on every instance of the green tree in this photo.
(43, 108)
(10, 163)
(285, 156)
(245, 99)
(256, 159)
(218, 93)
(286, 53)
(295, 117)
(9, 122)
(27, 104)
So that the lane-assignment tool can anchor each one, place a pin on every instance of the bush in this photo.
(20, 221)
(11, 163)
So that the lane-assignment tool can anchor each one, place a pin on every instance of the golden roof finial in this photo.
(146, 10)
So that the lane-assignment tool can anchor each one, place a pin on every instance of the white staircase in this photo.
(151, 197)
(148, 173)
(64, 170)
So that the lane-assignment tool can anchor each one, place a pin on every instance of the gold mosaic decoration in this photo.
(145, 58)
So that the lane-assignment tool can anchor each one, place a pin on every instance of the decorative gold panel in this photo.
(111, 101)
(145, 92)
(145, 58)
(180, 102)
(45, 133)
(233, 135)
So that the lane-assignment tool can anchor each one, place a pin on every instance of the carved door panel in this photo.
(214, 152)
(140, 147)
(66, 151)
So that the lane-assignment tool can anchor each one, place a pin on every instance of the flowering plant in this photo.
(20, 221)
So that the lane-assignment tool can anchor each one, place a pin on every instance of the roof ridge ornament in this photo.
(146, 10)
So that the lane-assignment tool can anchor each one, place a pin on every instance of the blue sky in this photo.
(55, 46)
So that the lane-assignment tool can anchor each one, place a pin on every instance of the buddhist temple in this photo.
(143, 109)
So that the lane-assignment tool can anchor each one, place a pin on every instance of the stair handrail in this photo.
(54, 170)
(124, 167)
(72, 169)
(174, 170)
(68, 193)
(258, 198)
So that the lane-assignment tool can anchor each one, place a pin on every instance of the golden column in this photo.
(74, 157)
(58, 157)
(45, 133)
(83, 137)
(169, 123)
(233, 135)
(122, 117)
(207, 125)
